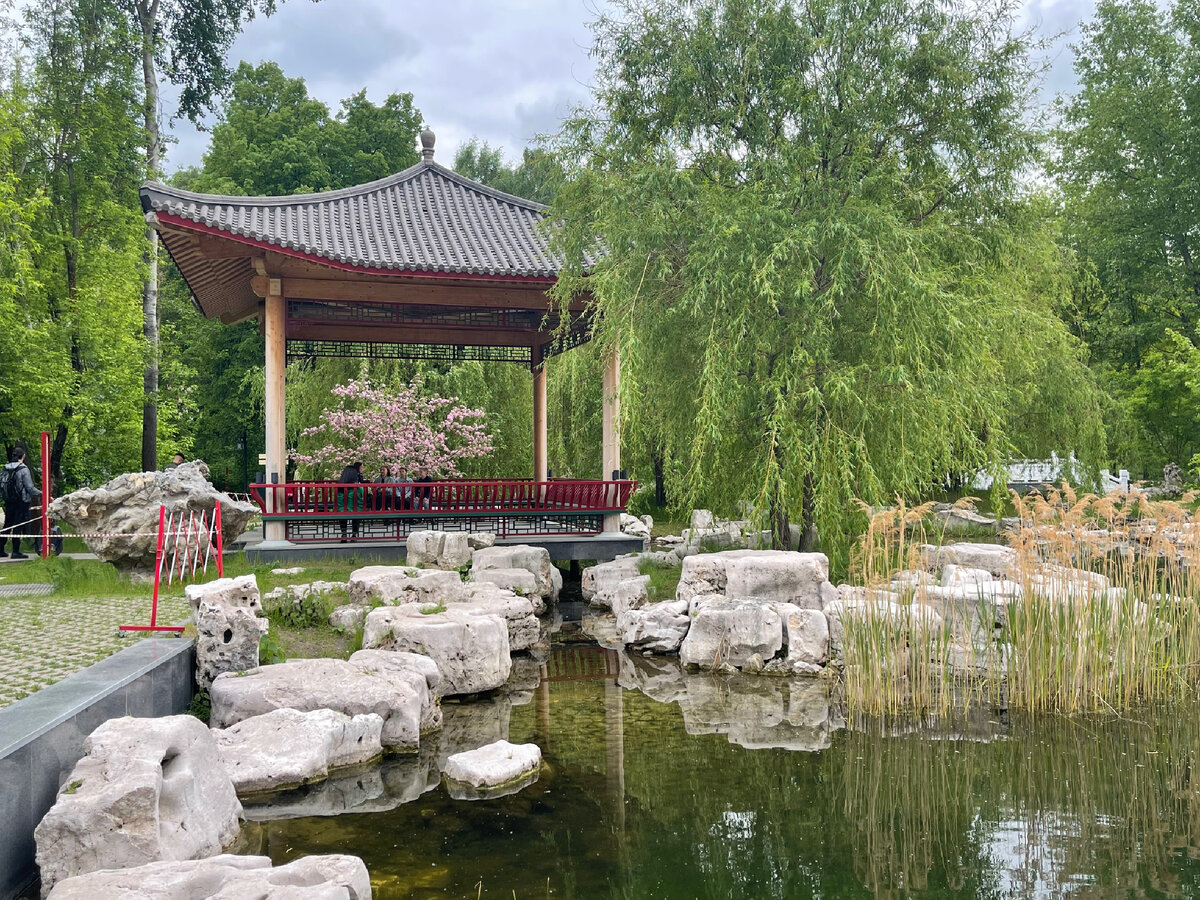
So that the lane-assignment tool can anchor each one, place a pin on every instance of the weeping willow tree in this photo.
(812, 221)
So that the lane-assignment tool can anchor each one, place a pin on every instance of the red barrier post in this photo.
(220, 541)
(45, 495)
(159, 555)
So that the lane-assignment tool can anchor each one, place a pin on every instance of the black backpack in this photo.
(10, 484)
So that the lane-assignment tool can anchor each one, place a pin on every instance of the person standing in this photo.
(350, 499)
(19, 493)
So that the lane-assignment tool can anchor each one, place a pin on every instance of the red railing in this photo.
(573, 505)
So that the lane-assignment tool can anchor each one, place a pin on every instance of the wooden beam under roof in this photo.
(450, 335)
(411, 292)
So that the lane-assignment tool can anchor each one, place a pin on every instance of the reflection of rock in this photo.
(146, 790)
(398, 686)
(472, 724)
(285, 748)
(377, 788)
(126, 511)
(754, 712)
(494, 770)
(471, 650)
(330, 876)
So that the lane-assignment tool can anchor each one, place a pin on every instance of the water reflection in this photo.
(661, 783)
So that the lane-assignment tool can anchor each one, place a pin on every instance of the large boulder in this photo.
(518, 612)
(393, 585)
(876, 611)
(777, 576)
(599, 581)
(438, 549)
(228, 627)
(806, 639)
(145, 790)
(471, 649)
(398, 687)
(659, 627)
(732, 632)
(330, 877)
(288, 748)
(124, 513)
(534, 560)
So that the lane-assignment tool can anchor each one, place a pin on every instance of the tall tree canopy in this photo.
(814, 209)
(1130, 172)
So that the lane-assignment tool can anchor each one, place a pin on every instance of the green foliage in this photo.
(815, 209)
(1129, 167)
(201, 705)
(663, 580)
(309, 611)
(538, 176)
(270, 649)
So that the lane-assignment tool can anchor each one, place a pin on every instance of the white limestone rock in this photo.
(292, 570)
(659, 627)
(347, 617)
(870, 610)
(477, 540)
(519, 613)
(630, 594)
(994, 558)
(535, 560)
(634, 527)
(806, 639)
(521, 582)
(239, 592)
(781, 576)
(145, 790)
(397, 687)
(731, 631)
(402, 584)
(701, 519)
(438, 549)
(229, 876)
(495, 766)
(471, 650)
(599, 581)
(287, 748)
(122, 515)
(227, 640)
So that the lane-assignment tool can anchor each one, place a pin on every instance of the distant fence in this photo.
(1036, 472)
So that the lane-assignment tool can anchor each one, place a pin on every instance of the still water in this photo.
(661, 784)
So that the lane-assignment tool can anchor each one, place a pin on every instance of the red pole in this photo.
(220, 541)
(45, 495)
(158, 558)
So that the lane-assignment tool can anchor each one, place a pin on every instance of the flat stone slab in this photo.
(25, 590)
(493, 770)
(317, 877)
(287, 748)
(398, 687)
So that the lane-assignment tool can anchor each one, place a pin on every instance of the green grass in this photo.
(663, 580)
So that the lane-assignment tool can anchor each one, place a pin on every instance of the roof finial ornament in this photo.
(427, 139)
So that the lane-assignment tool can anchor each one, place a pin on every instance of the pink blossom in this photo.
(399, 427)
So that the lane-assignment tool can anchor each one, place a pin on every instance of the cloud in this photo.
(500, 70)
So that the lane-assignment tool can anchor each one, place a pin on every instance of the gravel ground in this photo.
(43, 639)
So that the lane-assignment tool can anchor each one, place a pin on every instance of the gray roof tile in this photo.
(424, 219)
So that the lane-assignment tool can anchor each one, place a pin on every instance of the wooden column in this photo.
(274, 323)
(539, 416)
(611, 432)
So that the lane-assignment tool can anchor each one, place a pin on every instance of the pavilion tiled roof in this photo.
(426, 219)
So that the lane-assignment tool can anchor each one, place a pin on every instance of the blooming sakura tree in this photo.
(414, 433)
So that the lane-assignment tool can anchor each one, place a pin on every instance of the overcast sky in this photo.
(500, 70)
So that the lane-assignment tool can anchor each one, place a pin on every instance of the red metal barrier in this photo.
(45, 495)
(325, 501)
(183, 538)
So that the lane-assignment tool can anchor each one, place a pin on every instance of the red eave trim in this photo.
(188, 225)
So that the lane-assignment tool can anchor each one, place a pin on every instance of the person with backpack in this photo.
(18, 490)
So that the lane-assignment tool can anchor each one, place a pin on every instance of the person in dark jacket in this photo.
(350, 499)
(19, 494)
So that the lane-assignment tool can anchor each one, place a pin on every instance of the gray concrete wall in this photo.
(41, 736)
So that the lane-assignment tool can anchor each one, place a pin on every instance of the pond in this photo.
(662, 784)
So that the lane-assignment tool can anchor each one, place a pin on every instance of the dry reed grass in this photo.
(1105, 618)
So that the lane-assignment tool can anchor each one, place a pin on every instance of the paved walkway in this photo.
(43, 639)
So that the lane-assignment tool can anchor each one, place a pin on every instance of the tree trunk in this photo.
(658, 460)
(147, 14)
(808, 516)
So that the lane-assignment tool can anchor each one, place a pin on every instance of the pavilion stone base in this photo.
(562, 548)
